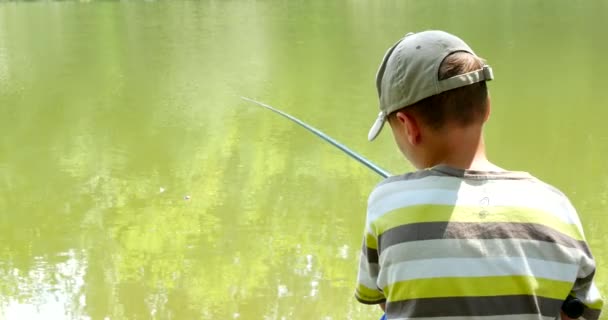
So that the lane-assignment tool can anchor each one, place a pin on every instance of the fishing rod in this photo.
(572, 307)
(383, 173)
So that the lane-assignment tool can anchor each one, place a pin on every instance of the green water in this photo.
(136, 184)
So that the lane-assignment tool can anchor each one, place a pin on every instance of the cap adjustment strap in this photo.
(461, 80)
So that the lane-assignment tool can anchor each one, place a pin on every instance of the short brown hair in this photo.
(462, 106)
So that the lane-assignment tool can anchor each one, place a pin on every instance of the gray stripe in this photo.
(482, 175)
(501, 317)
(446, 171)
(420, 174)
(474, 230)
(591, 314)
(473, 306)
(480, 248)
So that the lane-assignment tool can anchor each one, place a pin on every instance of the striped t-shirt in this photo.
(458, 244)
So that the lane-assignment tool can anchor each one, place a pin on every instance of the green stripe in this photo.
(477, 287)
(596, 304)
(371, 242)
(367, 295)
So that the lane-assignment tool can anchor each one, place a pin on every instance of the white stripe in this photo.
(411, 198)
(477, 267)
(587, 264)
(480, 248)
(514, 193)
(364, 277)
(588, 294)
(429, 182)
(576, 218)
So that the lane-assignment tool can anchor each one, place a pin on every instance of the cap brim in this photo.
(374, 131)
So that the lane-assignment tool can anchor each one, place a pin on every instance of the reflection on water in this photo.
(136, 184)
(46, 291)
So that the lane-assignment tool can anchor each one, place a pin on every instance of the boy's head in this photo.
(430, 83)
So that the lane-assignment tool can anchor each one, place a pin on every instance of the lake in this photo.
(135, 183)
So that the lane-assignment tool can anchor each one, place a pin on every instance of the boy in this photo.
(461, 237)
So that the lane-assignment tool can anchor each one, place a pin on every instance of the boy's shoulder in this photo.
(444, 177)
(459, 175)
(410, 176)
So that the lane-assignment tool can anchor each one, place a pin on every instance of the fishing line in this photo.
(383, 173)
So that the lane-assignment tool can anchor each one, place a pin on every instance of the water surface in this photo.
(136, 184)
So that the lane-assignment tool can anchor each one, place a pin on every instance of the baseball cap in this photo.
(409, 72)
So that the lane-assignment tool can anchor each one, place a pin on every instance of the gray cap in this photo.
(410, 72)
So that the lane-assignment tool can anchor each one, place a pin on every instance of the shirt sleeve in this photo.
(367, 291)
(585, 289)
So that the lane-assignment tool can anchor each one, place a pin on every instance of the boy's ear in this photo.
(488, 111)
(411, 126)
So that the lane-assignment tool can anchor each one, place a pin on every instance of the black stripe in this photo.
(370, 254)
(475, 230)
(585, 280)
(474, 306)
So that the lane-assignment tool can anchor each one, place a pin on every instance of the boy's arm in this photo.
(367, 291)
(586, 291)
(584, 288)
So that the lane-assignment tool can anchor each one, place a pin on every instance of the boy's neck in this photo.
(462, 148)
